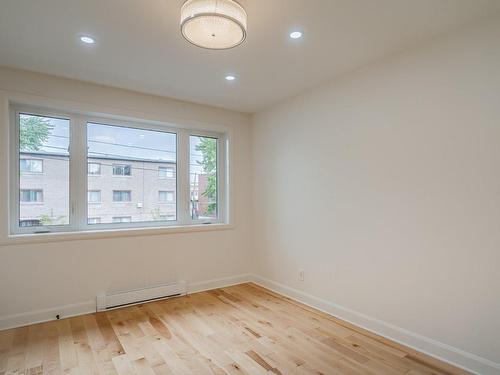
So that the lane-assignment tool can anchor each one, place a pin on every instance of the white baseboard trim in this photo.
(67, 311)
(433, 348)
(219, 283)
(45, 315)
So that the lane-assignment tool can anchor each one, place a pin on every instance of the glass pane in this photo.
(129, 162)
(43, 171)
(203, 177)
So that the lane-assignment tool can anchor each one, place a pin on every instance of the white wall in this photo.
(384, 186)
(49, 275)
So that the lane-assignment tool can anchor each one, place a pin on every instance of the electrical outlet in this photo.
(301, 275)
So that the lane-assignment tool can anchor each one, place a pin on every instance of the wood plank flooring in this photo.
(244, 329)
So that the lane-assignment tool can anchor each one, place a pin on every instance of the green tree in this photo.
(49, 220)
(208, 149)
(33, 132)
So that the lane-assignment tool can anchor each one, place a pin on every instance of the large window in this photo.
(149, 175)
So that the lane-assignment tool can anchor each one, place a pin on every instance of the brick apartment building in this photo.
(119, 190)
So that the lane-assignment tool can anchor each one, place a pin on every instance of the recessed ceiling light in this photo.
(87, 39)
(230, 78)
(296, 35)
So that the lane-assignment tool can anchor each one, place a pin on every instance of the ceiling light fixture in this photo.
(296, 35)
(87, 39)
(230, 78)
(214, 24)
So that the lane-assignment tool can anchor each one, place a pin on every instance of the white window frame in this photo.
(78, 176)
(220, 178)
(14, 174)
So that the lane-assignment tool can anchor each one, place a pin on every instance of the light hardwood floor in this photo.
(243, 329)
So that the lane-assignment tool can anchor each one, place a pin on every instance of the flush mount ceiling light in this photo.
(214, 24)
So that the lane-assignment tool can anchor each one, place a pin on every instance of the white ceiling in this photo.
(139, 46)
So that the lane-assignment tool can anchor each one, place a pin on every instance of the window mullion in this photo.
(78, 173)
(182, 173)
(14, 172)
(222, 176)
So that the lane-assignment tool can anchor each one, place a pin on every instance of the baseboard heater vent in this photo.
(108, 301)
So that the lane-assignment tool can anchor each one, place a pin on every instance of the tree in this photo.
(208, 149)
(33, 132)
(46, 219)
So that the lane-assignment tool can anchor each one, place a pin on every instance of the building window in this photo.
(52, 161)
(165, 172)
(122, 170)
(31, 196)
(166, 196)
(122, 219)
(167, 217)
(122, 196)
(31, 165)
(29, 223)
(94, 169)
(94, 196)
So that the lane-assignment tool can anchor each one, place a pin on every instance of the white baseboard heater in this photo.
(108, 301)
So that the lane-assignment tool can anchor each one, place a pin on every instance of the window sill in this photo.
(110, 233)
